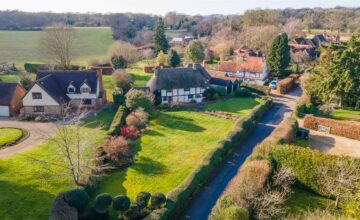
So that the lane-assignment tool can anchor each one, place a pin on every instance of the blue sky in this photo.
(162, 6)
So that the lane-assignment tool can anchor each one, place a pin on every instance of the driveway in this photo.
(201, 204)
(38, 133)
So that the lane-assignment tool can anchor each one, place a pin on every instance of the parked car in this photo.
(273, 84)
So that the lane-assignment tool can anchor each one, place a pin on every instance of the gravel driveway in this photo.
(38, 133)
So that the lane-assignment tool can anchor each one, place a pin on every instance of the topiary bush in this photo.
(77, 198)
(119, 98)
(102, 202)
(157, 200)
(142, 199)
(133, 212)
(121, 204)
(61, 210)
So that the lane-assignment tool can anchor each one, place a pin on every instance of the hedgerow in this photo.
(118, 121)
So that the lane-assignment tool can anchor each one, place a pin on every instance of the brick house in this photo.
(11, 95)
(55, 90)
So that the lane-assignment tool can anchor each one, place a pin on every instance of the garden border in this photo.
(25, 135)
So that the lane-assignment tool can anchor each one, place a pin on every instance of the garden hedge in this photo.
(35, 67)
(61, 210)
(118, 121)
(341, 128)
(178, 198)
(303, 163)
(263, 90)
(285, 85)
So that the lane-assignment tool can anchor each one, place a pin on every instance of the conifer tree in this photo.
(173, 58)
(279, 55)
(160, 40)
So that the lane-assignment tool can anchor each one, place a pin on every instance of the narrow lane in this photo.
(201, 204)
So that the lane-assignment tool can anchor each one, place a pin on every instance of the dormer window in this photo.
(71, 89)
(85, 88)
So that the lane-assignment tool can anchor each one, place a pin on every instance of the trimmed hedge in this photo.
(35, 67)
(118, 121)
(178, 197)
(347, 129)
(285, 132)
(303, 163)
(263, 90)
(285, 85)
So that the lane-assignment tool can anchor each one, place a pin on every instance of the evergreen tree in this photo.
(195, 52)
(173, 58)
(160, 41)
(279, 55)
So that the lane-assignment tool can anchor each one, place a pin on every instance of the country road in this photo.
(200, 206)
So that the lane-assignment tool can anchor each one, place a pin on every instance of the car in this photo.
(273, 84)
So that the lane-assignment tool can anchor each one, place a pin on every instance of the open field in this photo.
(9, 135)
(344, 36)
(342, 114)
(27, 187)
(166, 154)
(24, 46)
(176, 33)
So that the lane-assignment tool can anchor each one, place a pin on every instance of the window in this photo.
(187, 90)
(71, 89)
(85, 89)
(36, 95)
(190, 96)
(168, 91)
(86, 102)
(39, 109)
(164, 98)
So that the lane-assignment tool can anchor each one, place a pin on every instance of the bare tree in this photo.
(75, 150)
(58, 44)
(125, 50)
(340, 180)
(294, 28)
(268, 203)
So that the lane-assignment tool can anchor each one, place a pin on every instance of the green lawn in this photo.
(137, 72)
(27, 189)
(302, 200)
(175, 143)
(24, 46)
(342, 114)
(239, 107)
(9, 135)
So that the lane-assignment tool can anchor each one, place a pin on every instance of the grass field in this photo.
(344, 36)
(342, 114)
(24, 46)
(27, 188)
(171, 148)
(235, 106)
(9, 135)
(176, 33)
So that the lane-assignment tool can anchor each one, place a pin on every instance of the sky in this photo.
(160, 7)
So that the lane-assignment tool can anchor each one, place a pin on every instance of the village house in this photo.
(11, 95)
(182, 41)
(54, 91)
(248, 70)
(184, 84)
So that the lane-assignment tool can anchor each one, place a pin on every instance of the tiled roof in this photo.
(250, 64)
(7, 92)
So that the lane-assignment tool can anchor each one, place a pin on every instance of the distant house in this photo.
(249, 69)
(182, 41)
(241, 53)
(55, 90)
(11, 95)
(185, 84)
(6, 66)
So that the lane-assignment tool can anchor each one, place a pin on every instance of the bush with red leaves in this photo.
(129, 132)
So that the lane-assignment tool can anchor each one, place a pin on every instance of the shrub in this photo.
(157, 200)
(121, 203)
(142, 116)
(285, 85)
(26, 80)
(129, 132)
(242, 92)
(92, 214)
(132, 120)
(125, 50)
(341, 128)
(77, 198)
(210, 94)
(102, 202)
(35, 67)
(262, 90)
(138, 99)
(235, 213)
(133, 212)
(119, 98)
(122, 80)
(303, 108)
(142, 199)
(61, 210)
(118, 62)
(222, 91)
(118, 121)
(117, 149)
(285, 132)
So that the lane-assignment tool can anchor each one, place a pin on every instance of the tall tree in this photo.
(58, 44)
(173, 58)
(195, 52)
(161, 43)
(279, 55)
